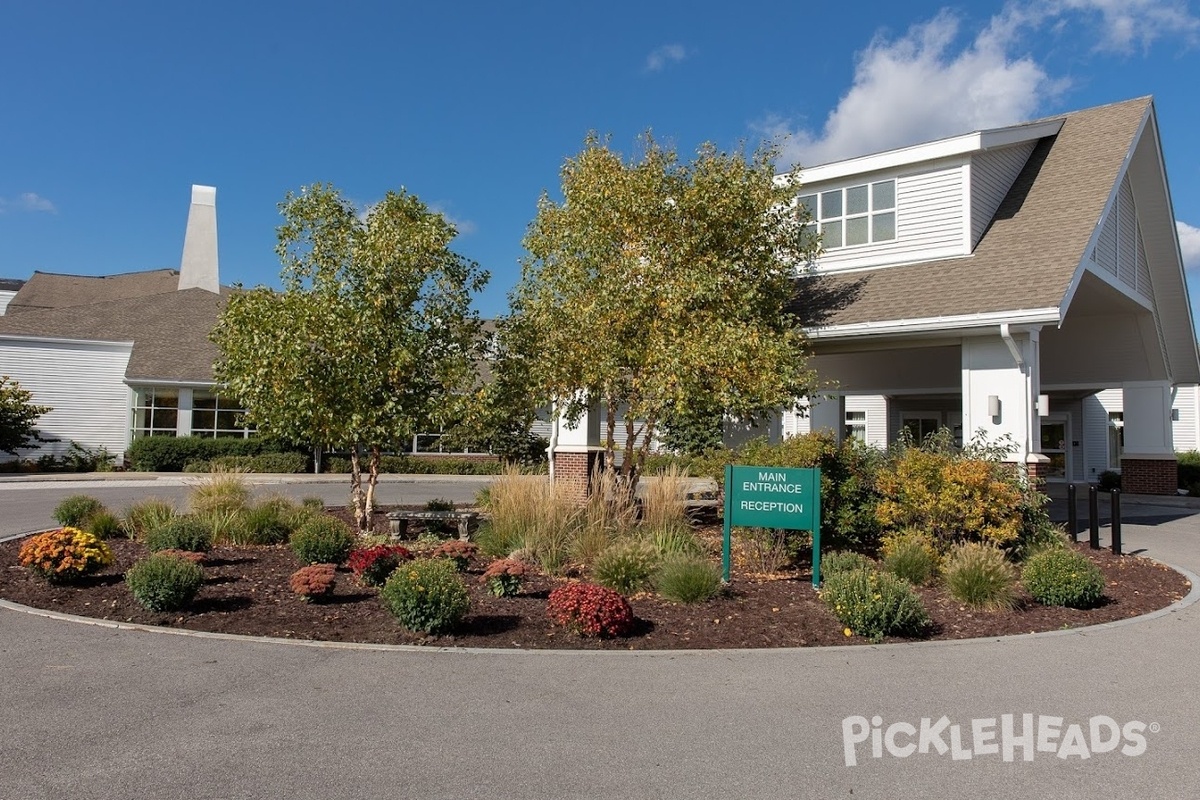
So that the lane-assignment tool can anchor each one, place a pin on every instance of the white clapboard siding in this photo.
(1095, 424)
(929, 220)
(5, 297)
(992, 175)
(82, 382)
(1186, 429)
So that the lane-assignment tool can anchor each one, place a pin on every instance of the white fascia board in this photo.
(132, 382)
(17, 337)
(1033, 316)
(976, 142)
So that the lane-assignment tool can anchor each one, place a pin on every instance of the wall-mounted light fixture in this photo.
(1043, 405)
(993, 405)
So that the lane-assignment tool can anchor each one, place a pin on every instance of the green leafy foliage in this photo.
(18, 417)
(164, 582)
(874, 604)
(687, 579)
(626, 567)
(322, 540)
(75, 510)
(1063, 577)
(268, 523)
(103, 525)
(173, 453)
(657, 285)
(980, 576)
(371, 339)
(426, 596)
(180, 533)
(844, 561)
(912, 556)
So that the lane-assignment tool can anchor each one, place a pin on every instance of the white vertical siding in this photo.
(82, 382)
(5, 297)
(1096, 408)
(992, 175)
(929, 220)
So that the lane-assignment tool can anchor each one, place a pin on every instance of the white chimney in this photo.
(198, 270)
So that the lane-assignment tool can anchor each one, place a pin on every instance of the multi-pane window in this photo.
(854, 215)
(217, 416)
(155, 412)
(856, 425)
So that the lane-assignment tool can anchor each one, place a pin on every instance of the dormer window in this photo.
(854, 215)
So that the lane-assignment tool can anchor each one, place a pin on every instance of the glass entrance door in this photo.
(1056, 442)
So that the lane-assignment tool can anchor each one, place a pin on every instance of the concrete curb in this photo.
(1192, 597)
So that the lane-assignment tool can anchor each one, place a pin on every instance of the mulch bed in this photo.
(246, 592)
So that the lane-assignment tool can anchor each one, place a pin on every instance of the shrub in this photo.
(769, 550)
(226, 525)
(910, 555)
(980, 576)
(287, 463)
(268, 523)
(426, 595)
(439, 504)
(74, 511)
(626, 567)
(589, 610)
(164, 581)
(65, 555)
(1110, 480)
(197, 466)
(180, 533)
(843, 561)
(222, 490)
(503, 577)
(953, 497)
(322, 540)
(458, 551)
(313, 503)
(687, 579)
(146, 515)
(373, 565)
(1063, 577)
(314, 582)
(103, 525)
(171, 453)
(874, 604)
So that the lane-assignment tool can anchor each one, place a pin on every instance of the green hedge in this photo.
(408, 465)
(172, 453)
(264, 462)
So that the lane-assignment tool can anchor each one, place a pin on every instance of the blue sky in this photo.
(109, 112)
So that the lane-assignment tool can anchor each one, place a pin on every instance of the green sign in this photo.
(774, 497)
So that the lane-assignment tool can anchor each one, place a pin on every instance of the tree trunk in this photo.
(357, 499)
(372, 482)
(610, 441)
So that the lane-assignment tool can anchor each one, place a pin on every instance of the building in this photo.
(121, 356)
(1024, 282)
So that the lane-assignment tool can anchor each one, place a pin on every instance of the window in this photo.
(856, 425)
(155, 412)
(854, 215)
(217, 416)
(1116, 438)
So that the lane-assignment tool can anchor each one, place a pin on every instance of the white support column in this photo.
(828, 414)
(1001, 379)
(1147, 416)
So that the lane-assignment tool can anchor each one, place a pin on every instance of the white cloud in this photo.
(27, 201)
(1189, 244)
(927, 84)
(1128, 24)
(661, 57)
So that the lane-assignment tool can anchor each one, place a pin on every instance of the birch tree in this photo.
(371, 340)
(663, 287)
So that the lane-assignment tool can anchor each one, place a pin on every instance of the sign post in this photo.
(773, 497)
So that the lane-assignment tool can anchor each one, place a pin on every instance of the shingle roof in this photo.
(169, 331)
(52, 290)
(1027, 257)
(10, 284)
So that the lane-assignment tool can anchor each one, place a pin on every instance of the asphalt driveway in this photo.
(93, 712)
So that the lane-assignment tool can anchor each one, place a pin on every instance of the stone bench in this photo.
(398, 521)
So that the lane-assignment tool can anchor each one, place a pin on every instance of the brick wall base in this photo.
(1037, 471)
(1149, 475)
(573, 471)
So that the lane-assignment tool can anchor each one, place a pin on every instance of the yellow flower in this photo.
(848, 632)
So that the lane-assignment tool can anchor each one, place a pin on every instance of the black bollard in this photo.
(1094, 517)
(1116, 522)
(1072, 513)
